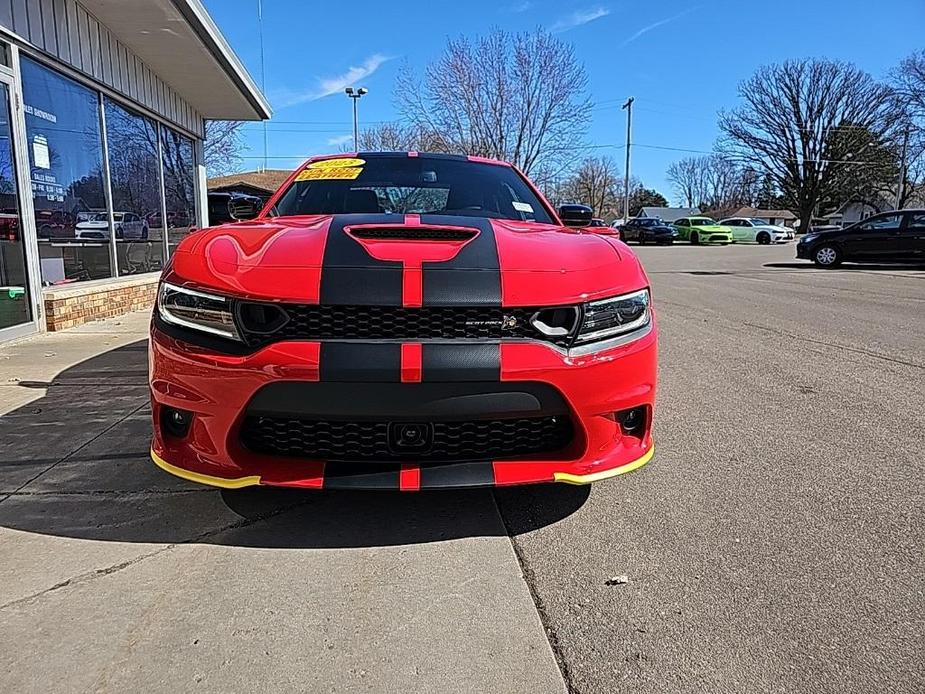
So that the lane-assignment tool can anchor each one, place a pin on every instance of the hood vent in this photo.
(403, 233)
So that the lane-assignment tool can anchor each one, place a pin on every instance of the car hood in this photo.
(471, 259)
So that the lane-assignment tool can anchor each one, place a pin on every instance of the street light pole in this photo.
(626, 180)
(356, 94)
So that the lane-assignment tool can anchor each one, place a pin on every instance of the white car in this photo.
(752, 230)
(96, 226)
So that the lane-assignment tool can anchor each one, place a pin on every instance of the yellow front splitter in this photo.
(569, 478)
(223, 482)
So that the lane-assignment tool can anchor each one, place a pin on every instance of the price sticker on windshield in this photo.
(341, 163)
(335, 174)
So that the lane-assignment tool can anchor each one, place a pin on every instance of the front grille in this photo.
(370, 440)
(312, 322)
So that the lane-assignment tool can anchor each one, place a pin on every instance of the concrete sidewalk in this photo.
(115, 576)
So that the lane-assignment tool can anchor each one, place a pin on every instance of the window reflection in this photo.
(178, 185)
(66, 163)
(134, 176)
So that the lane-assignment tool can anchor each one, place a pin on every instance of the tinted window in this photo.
(916, 221)
(883, 223)
(134, 176)
(180, 196)
(702, 222)
(682, 223)
(66, 161)
(402, 185)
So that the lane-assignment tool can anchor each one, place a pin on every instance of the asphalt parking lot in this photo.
(774, 544)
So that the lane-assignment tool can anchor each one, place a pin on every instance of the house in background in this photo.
(776, 217)
(259, 183)
(669, 214)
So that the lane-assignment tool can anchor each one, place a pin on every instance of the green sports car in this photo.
(702, 230)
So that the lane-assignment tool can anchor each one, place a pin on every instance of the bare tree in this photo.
(222, 147)
(908, 81)
(810, 124)
(714, 182)
(687, 178)
(395, 137)
(596, 183)
(518, 97)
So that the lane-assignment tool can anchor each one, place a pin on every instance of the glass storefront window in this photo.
(66, 163)
(135, 182)
(179, 189)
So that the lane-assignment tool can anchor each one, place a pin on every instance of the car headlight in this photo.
(609, 318)
(808, 238)
(189, 308)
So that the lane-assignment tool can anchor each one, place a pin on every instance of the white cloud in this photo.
(333, 85)
(339, 140)
(578, 18)
(656, 25)
(519, 7)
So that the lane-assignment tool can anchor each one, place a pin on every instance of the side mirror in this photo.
(575, 215)
(241, 210)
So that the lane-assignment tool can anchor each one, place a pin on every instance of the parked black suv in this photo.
(648, 230)
(888, 237)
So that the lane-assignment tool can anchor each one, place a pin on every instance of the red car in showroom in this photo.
(403, 321)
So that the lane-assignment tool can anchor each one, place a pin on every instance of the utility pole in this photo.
(901, 188)
(263, 76)
(626, 179)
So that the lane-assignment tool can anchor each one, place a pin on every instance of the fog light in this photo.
(176, 422)
(633, 421)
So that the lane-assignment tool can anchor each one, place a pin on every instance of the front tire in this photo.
(764, 238)
(695, 238)
(827, 255)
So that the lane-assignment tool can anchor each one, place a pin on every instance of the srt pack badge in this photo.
(506, 323)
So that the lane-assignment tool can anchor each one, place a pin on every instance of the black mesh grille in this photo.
(311, 322)
(369, 441)
(413, 234)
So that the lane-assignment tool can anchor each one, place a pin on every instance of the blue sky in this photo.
(681, 61)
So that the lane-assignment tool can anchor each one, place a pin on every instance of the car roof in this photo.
(420, 155)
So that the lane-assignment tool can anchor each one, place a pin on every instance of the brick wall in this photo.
(84, 302)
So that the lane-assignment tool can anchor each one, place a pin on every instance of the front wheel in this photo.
(764, 238)
(695, 238)
(827, 256)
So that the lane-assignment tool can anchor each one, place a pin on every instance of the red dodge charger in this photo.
(402, 321)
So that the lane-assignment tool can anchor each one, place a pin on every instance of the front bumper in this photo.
(218, 390)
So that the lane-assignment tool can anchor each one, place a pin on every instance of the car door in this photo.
(629, 232)
(913, 237)
(741, 230)
(684, 228)
(875, 239)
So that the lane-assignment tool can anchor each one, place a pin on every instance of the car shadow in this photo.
(74, 463)
(851, 267)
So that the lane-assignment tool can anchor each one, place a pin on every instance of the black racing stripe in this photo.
(361, 475)
(444, 475)
(360, 362)
(350, 276)
(473, 277)
(460, 362)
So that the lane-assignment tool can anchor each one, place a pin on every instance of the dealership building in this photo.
(102, 111)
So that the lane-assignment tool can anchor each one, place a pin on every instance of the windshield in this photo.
(648, 222)
(411, 185)
(702, 222)
(759, 222)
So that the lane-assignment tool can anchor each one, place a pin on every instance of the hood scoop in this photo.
(406, 233)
